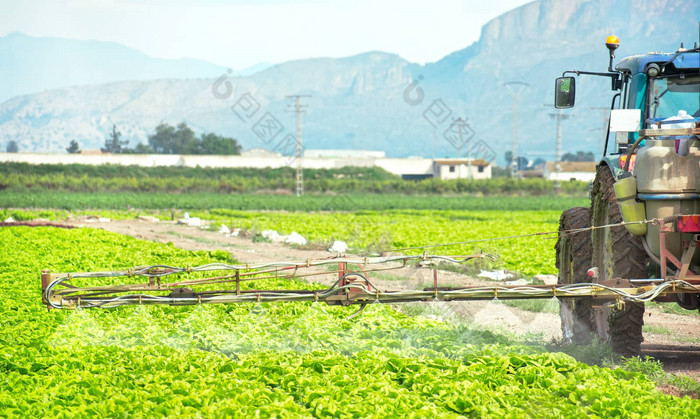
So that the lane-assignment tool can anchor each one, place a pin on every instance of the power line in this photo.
(299, 109)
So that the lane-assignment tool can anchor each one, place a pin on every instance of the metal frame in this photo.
(351, 287)
(679, 224)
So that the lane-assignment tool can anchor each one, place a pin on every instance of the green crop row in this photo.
(311, 202)
(290, 360)
(111, 171)
(76, 178)
(181, 184)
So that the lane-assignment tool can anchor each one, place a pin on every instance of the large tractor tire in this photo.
(573, 260)
(617, 254)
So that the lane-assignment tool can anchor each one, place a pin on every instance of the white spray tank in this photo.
(668, 179)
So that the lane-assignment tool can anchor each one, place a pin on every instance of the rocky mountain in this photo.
(379, 101)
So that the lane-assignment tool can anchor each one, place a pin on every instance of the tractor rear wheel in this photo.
(616, 254)
(573, 260)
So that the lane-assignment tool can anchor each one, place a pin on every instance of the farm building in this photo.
(579, 170)
(461, 169)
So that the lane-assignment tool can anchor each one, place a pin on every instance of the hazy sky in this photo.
(240, 33)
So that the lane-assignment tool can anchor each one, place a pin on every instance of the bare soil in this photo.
(672, 338)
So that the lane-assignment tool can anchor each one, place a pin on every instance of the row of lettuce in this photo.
(133, 202)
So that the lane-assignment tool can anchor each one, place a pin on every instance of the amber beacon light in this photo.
(612, 42)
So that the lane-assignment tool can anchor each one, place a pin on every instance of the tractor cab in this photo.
(662, 85)
(655, 90)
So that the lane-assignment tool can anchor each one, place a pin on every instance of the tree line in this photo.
(525, 164)
(168, 139)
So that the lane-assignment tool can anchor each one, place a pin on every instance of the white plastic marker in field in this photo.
(296, 238)
(339, 246)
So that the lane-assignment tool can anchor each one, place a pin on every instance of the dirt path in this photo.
(672, 338)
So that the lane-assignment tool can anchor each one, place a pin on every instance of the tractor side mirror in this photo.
(565, 93)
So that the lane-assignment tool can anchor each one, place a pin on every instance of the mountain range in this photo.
(37, 64)
(373, 101)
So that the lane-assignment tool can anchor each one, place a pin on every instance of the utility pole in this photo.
(299, 109)
(557, 164)
(515, 88)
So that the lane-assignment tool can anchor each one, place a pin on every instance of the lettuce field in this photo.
(365, 222)
(286, 360)
(400, 229)
(366, 230)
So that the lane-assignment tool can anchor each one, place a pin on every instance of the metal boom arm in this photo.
(351, 287)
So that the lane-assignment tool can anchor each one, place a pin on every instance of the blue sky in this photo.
(241, 33)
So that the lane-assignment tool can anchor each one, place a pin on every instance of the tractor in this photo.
(642, 225)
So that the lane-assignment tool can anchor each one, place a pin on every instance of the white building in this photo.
(446, 169)
(344, 154)
(259, 152)
(570, 170)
